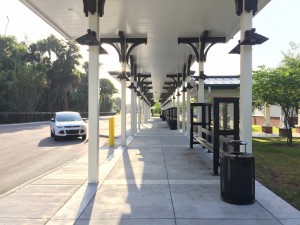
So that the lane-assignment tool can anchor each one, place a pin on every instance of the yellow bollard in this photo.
(111, 136)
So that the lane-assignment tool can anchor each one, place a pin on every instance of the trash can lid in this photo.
(236, 142)
(236, 155)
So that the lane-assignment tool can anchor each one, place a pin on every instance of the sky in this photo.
(277, 21)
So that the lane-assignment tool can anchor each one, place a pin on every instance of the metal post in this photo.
(93, 105)
(111, 139)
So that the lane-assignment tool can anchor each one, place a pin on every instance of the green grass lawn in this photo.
(278, 167)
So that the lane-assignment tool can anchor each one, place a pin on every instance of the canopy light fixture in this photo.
(189, 86)
(131, 86)
(123, 76)
(252, 38)
(88, 39)
(183, 89)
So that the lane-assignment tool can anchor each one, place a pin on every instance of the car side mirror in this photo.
(52, 120)
(84, 119)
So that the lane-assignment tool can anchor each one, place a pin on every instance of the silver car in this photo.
(67, 124)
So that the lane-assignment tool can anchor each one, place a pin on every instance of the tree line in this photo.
(46, 76)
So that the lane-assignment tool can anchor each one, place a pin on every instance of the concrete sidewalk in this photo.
(156, 180)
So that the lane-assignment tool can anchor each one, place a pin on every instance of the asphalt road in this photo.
(28, 151)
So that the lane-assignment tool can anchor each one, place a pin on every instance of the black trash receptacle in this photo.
(173, 124)
(237, 177)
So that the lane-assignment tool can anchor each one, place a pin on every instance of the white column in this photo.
(246, 83)
(93, 107)
(183, 109)
(145, 111)
(139, 113)
(142, 111)
(133, 114)
(201, 97)
(178, 110)
(123, 107)
(188, 110)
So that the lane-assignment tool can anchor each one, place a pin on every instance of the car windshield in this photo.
(68, 117)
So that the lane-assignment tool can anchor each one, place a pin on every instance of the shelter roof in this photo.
(161, 21)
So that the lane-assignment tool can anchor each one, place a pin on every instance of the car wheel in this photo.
(83, 137)
(56, 138)
(51, 133)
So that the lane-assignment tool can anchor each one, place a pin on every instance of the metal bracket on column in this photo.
(122, 43)
(91, 6)
(173, 76)
(205, 42)
(189, 64)
(146, 88)
(140, 82)
(250, 5)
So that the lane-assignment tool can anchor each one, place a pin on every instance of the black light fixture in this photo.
(202, 76)
(131, 86)
(252, 38)
(183, 89)
(195, 77)
(88, 39)
(189, 86)
(178, 94)
(123, 76)
(174, 97)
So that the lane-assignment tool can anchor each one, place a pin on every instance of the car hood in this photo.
(70, 123)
